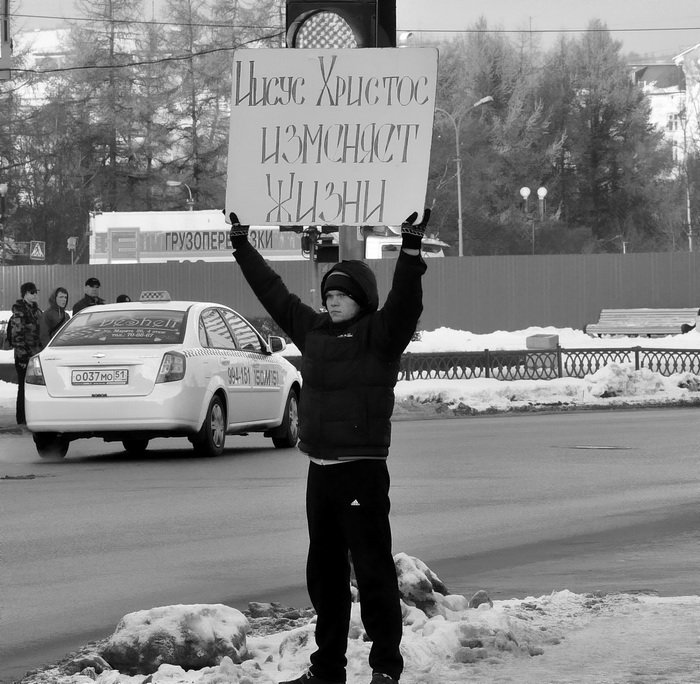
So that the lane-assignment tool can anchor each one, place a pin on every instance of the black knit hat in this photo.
(338, 280)
(355, 278)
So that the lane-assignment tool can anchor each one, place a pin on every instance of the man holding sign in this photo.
(350, 363)
(339, 137)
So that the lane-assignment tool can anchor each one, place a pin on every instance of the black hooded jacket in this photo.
(52, 319)
(349, 370)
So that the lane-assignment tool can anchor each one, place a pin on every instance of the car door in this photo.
(268, 377)
(232, 367)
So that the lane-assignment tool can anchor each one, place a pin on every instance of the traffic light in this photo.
(341, 23)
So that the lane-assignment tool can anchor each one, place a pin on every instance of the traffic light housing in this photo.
(341, 23)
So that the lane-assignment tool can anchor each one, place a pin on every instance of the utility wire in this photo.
(142, 22)
(147, 62)
(279, 32)
(144, 62)
(154, 22)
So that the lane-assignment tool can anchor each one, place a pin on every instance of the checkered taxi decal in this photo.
(207, 351)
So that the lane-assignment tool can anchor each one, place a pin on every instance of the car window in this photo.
(203, 339)
(246, 337)
(137, 326)
(218, 333)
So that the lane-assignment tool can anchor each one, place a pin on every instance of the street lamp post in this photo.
(541, 195)
(3, 194)
(458, 161)
(176, 184)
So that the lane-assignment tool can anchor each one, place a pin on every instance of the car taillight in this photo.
(35, 373)
(172, 367)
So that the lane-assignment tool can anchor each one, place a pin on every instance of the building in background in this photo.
(673, 90)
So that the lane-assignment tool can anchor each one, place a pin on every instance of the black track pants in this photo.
(347, 507)
(20, 415)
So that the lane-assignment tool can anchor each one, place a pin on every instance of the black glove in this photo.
(239, 233)
(412, 235)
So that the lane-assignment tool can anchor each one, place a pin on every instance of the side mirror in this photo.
(276, 344)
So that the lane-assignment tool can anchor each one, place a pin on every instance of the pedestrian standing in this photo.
(55, 316)
(92, 295)
(350, 363)
(25, 338)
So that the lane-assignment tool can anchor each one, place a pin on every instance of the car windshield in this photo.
(136, 326)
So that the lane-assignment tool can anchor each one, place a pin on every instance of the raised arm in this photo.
(286, 309)
(399, 316)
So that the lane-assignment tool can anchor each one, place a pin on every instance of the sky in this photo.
(643, 26)
(642, 638)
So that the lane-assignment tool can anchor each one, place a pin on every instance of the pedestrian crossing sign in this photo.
(37, 250)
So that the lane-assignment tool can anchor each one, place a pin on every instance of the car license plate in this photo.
(106, 376)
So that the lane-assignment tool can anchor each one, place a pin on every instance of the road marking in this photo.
(598, 446)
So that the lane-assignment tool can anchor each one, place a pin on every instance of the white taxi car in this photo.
(135, 371)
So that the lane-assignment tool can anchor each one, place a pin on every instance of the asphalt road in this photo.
(516, 505)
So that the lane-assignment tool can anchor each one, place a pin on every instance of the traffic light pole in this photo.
(3, 192)
(344, 23)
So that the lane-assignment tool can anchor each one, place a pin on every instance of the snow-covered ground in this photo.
(561, 638)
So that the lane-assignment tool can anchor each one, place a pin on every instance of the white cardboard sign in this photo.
(330, 137)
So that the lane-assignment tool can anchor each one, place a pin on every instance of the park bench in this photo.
(643, 322)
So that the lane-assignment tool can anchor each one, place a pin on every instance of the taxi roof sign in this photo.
(154, 296)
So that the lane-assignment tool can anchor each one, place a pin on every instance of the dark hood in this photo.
(363, 275)
(52, 298)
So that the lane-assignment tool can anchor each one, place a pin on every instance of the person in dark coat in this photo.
(25, 339)
(55, 316)
(91, 298)
(350, 363)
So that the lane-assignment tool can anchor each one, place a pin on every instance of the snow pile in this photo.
(192, 636)
(447, 339)
(584, 639)
(613, 385)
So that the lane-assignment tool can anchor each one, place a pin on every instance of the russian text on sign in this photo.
(330, 136)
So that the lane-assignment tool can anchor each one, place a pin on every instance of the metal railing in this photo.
(528, 364)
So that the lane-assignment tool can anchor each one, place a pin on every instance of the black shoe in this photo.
(308, 678)
(381, 678)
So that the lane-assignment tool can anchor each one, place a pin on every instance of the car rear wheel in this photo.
(135, 446)
(212, 435)
(51, 444)
(289, 430)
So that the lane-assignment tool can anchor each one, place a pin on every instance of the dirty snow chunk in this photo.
(91, 661)
(418, 584)
(480, 598)
(190, 636)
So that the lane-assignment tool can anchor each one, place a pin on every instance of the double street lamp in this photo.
(456, 121)
(541, 195)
